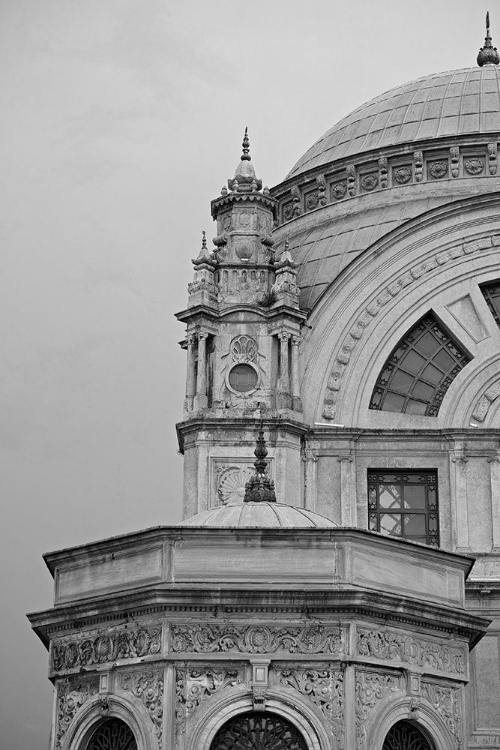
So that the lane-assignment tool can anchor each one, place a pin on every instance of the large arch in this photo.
(435, 263)
(221, 709)
(417, 712)
(132, 713)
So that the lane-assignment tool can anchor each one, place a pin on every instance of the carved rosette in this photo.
(106, 647)
(258, 639)
(324, 687)
(371, 688)
(406, 649)
(71, 695)
(147, 687)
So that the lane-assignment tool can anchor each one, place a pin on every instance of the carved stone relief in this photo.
(231, 481)
(195, 685)
(390, 646)
(258, 639)
(402, 175)
(71, 695)
(312, 200)
(369, 181)
(438, 169)
(148, 687)
(324, 687)
(106, 647)
(482, 407)
(371, 688)
(445, 700)
(338, 190)
(474, 165)
(391, 291)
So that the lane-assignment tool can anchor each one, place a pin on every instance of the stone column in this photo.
(201, 400)
(296, 400)
(284, 400)
(347, 495)
(494, 462)
(461, 516)
(310, 480)
(190, 378)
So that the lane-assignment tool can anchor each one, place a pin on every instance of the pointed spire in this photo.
(204, 255)
(260, 488)
(245, 156)
(245, 180)
(488, 55)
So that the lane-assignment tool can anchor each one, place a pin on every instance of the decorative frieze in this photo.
(71, 695)
(324, 687)
(107, 646)
(374, 306)
(371, 688)
(148, 688)
(387, 645)
(258, 639)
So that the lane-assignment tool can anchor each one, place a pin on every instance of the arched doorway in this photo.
(258, 730)
(406, 736)
(112, 734)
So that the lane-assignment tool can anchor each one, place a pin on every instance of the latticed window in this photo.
(112, 734)
(258, 731)
(419, 371)
(405, 736)
(404, 504)
(491, 293)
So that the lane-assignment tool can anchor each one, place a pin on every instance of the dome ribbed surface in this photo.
(259, 515)
(458, 102)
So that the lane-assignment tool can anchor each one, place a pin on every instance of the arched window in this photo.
(112, 734)
(491, 293)
(258, 730)
(419, 371)
(405, 736)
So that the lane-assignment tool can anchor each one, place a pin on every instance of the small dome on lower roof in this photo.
(259, 515)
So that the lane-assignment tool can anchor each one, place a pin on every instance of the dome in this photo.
(457, 102)
(259, 515)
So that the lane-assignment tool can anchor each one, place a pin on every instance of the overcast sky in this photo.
(120, 121)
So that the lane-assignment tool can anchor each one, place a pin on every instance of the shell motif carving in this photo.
(244, 349)
(231, 484)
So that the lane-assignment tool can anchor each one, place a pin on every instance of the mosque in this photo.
(335, 584)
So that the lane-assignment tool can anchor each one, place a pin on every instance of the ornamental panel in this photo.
(258, 731)
(106, 646)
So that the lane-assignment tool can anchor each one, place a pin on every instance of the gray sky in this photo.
(120, 121)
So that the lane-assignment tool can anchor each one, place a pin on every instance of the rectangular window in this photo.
(404, 503)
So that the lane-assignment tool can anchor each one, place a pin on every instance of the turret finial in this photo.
(203, 240)
(488, 55)
(245, 156)
(260, 488)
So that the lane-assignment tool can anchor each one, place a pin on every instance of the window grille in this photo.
(419, 371)
(258, 731)
(491, 293)
(404, 504)
(112, 734)
(405, 736)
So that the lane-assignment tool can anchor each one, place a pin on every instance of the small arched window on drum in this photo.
(112, 734)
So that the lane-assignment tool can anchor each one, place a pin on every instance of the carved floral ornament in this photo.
(106, 647)
(382, 298)
(406, 649)
(431, 166)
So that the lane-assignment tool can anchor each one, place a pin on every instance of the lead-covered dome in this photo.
(454, 103)
(259, 515)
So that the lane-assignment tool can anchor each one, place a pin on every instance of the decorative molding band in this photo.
(390, 646)
(258, 639)
(106, 647)
(382, 298)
